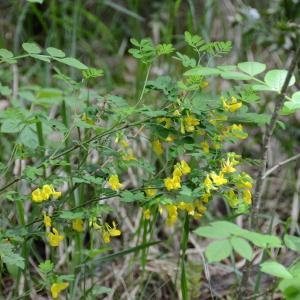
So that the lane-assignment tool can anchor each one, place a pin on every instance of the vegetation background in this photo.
(98, 33)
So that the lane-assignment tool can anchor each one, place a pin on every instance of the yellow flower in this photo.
(218, 179)
(188, 207)
(189, 123)
(47, 220)
(113, 231)
(124, 143)
(128, 156)
(105, 237)
(170, 138)
(57, 288)
(40, 195)
(185, 168)
(108, 231)
(167, 121)
(217, 118)
(205, 147)
(236, 130)
(147, 214)
(157, 147)
(205, 197)
(86, 119)
(231, 198)
(172, 214)
(150, 192)
(77, 225)
(172, 183)
(37, 195)
(54, 238)
(232, 105)
(208, 183)
(177, 171)
(227, 167)
(114, 182)
(247, 197)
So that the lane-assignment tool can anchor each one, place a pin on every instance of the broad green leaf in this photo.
(229, 227)
(252, 67)
(262, 240)
(55, 52)
(261, 87)
(276, 269)
(28, 138)
(218, 250)
(211, 232)
(276, 78)
(242, 247)
(10, 126)
(202, 71)
(292, 242)
(31, 48)
(235, 75)
(227, 67)
(4, 53)
(40, 57)
(296, 97)
(72, 62)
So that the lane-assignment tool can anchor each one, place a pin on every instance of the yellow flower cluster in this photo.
(106, 230)
(157, 147)
(78, 225)
(44, 193)
(174, 182)
(189, 123)
(115, 183)
(231, 105)
(54, 238)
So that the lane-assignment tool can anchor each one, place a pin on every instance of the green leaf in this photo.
(202, 71)
(40, 57)
(46, 266)
(218, 250)
(242, 247)
(92, 73)
(72, 62)
(211, 232)
(36, 1)
(31, 48)
(276, 269)
(28, 138)
(228, 227)
(99, 290)
(252, 67)
(276, 78)
(235, 75)
(4, 53)
(55, 52)
(296, 97)
(292, 242)
(128, 196)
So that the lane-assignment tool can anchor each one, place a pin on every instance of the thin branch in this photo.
(280, 164)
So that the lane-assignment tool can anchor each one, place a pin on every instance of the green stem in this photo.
(183, 247)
